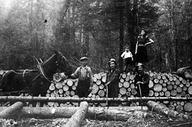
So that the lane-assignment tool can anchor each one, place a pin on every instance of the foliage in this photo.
(97, 28)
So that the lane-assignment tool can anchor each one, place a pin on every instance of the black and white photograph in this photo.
(95, 63)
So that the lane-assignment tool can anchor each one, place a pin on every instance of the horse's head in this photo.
(63, 64)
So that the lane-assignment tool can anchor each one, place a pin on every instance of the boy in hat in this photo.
(84, 75)
(141, 81)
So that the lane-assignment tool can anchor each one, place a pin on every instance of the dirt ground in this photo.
(155, 121)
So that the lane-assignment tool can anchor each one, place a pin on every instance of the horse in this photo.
(36, 82)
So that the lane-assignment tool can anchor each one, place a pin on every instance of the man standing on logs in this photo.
(84, 75)
(141, 81)
(112, 84)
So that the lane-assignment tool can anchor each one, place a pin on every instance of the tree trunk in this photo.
(102, 113)
(121, 31)
(13, 109)
(132, 23)
(118, 113)
(77, 118)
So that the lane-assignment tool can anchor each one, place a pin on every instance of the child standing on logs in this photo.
(141, 50)
(112, 84)
(141, 81)
(84, 75)
(128, 58)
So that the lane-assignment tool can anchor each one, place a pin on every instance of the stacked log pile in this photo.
(171, 85)
(62, 89)
(161, 85)
(65, 88)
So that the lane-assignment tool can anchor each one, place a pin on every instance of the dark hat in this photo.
(83, 58)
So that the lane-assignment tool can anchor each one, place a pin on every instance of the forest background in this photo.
(100, 29)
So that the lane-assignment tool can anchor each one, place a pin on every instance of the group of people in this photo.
(140, 55)
(85, 81)
(84, 73)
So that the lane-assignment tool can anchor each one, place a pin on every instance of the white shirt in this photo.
(126, 54)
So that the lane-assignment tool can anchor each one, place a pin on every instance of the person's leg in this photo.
(126, 65)
(113, 93)
(84, 90)
(79, 89)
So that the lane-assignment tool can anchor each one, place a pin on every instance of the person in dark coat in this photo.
(85, 80)
(141, 50)
(113, 80)
(142, 81)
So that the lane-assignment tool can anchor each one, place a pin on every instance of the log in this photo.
(126, 84)
(13, 109)
(65, 87)
(77, 118)
(52, 87)
(116, 114)
(122, 91)
(57, 77)
(69, 82)
(98, 82)
(190, 90)
(157, 87)
(94, 89)
(188, 107)
(72, 99)
(101, 93)
(101, 86)
(58, 85)
(101, 113)
(151, 84)
(123, 75)
(162, 109)
(120, 84)
(98, 76)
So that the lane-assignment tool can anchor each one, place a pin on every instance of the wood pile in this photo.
(161, 85)
(65, 88)
(171, 85)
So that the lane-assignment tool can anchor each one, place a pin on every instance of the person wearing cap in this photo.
(84, 75)
(141, 81)
(112, 81)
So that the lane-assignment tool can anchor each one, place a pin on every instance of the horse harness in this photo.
(41, 73)
(39, 66)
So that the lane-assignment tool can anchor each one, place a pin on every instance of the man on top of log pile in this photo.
(141, 81)
(112, 80)
(85, 80)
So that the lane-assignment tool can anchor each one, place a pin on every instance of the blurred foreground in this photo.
(155, 120)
